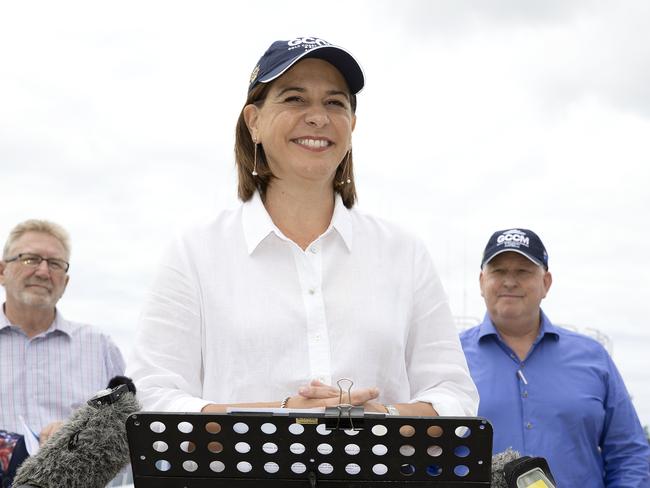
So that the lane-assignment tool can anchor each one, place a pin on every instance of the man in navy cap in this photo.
(546, 390)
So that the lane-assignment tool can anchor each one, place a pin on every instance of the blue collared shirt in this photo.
(565, 402)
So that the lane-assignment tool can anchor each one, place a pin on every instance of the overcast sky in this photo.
(117, 121)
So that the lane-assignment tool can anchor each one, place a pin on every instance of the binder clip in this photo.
(344, 415)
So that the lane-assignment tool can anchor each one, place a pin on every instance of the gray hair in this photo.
(35, 225)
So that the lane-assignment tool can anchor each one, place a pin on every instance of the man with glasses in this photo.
(48, 365)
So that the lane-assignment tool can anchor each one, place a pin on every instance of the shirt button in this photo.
(312, 291)
(525, 394)
(317, 338)
(529, 426)
(313, 249)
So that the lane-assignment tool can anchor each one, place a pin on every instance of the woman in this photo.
(271, 304)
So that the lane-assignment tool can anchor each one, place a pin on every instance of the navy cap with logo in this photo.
(282, 55)
(522, 241)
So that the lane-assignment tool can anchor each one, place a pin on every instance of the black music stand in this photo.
(285, 449)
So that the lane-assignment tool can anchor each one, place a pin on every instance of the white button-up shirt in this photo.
(240, 313)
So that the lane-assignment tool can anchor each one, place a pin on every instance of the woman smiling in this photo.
(272, 303)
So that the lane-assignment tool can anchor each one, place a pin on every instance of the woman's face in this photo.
(305, 124)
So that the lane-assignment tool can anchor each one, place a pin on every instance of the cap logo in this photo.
(513, 238)
(307, 43)
(255, 73)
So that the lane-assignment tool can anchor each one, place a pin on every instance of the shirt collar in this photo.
(63, 325)
(256, 221)
(4, 321)
(59, 323)
(342, 222)
(258, 225)
(547, 328)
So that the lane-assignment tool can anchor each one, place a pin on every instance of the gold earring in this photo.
(345, 173)
(254, 172)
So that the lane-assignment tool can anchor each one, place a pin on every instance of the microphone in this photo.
(499, 462)
(510, 470)
(529, 472)
(90, 448)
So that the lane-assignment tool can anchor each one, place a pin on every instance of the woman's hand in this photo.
(319, 394)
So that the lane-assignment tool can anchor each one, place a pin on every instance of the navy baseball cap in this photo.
(522, 241)
(282, 55)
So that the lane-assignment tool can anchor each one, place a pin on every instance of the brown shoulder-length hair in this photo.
(245, 157)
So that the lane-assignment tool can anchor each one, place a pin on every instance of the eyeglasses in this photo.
(34, 261)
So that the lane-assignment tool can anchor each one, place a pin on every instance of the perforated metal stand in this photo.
(247, 450)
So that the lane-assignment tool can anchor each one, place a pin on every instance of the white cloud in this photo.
(117, 120)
